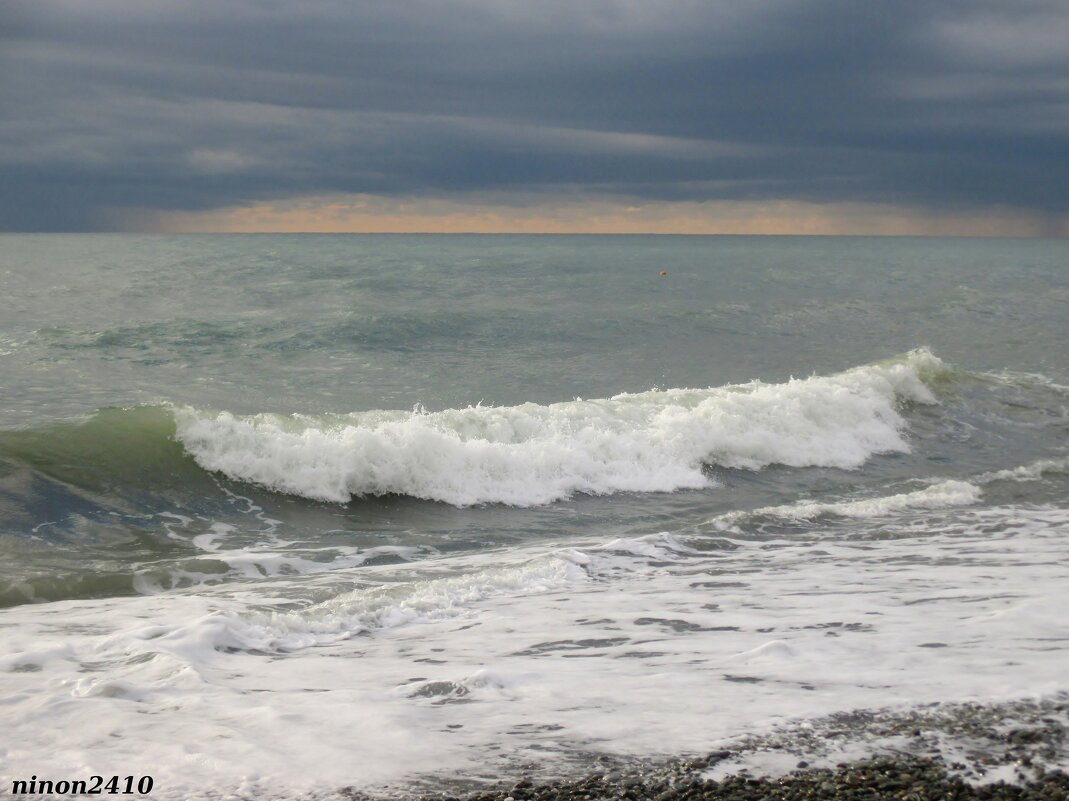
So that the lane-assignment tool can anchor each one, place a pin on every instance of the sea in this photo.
(286, 514)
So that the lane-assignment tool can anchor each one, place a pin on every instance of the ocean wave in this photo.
(1033, 471)
(531, 454)
(114, 450)
(945, 494)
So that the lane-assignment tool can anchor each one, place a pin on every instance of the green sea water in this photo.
(103, 337)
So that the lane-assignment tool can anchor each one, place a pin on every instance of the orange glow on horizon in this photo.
(373, 214)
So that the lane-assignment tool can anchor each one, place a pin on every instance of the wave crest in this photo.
(525, 455)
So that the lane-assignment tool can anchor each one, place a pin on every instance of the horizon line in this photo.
(751, 235)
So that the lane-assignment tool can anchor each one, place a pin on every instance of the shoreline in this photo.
(1005, 751)
(884, 778)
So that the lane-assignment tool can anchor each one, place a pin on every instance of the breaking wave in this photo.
(532, 454)
(525, 455)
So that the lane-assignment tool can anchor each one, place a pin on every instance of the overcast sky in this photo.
(121, 113)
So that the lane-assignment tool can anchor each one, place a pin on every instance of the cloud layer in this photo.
(111, 108)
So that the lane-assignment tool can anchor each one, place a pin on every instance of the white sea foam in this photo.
(1033, 471)
(938, 496)
(526, 455)
(388, 606)
(662, 545)
(469, 666)
(226, 552)
(437, 598)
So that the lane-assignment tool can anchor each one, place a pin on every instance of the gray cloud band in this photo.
(194, 105)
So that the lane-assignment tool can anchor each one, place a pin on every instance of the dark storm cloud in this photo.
(194, 104)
